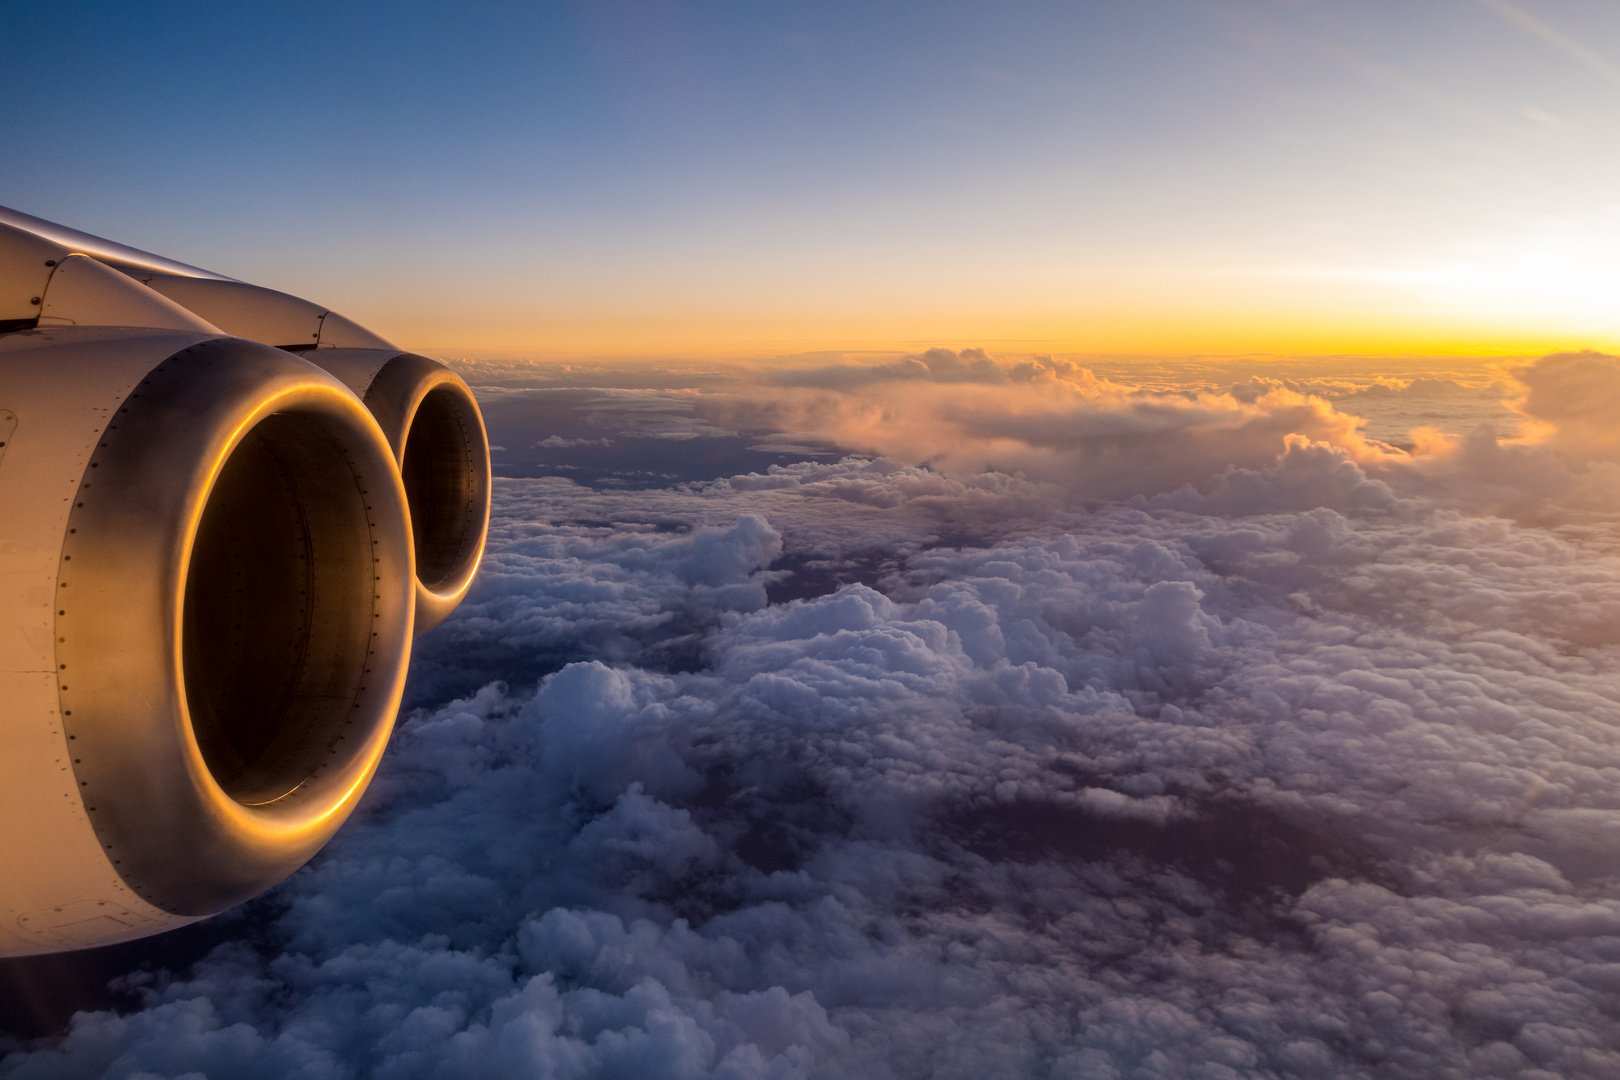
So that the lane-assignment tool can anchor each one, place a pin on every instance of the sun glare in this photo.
(1560, 277)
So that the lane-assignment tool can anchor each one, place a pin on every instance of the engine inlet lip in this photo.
(182, 841)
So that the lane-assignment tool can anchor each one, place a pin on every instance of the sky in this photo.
(644, 178)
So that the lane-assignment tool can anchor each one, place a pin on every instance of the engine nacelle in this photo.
(436, 431)
(209, 578)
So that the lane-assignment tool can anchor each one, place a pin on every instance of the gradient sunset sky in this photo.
(636, 177)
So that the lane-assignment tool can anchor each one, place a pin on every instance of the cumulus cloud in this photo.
(1575, 397)
(966, 413)
(1301, 762)
(934, 365)
(557, 442)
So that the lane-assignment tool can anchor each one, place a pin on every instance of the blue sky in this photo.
(503, 175)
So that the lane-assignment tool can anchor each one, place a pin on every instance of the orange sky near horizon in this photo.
(1193, 324)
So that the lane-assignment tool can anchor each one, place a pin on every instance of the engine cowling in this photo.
(208, 588)
(435, 428)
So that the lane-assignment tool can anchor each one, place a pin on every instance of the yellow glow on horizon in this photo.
(1189, 330)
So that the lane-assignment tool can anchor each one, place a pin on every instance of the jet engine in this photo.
(224, 512)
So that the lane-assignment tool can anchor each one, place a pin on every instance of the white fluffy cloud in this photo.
(1307, 765)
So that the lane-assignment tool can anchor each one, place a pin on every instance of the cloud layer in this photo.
(1302, 759)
